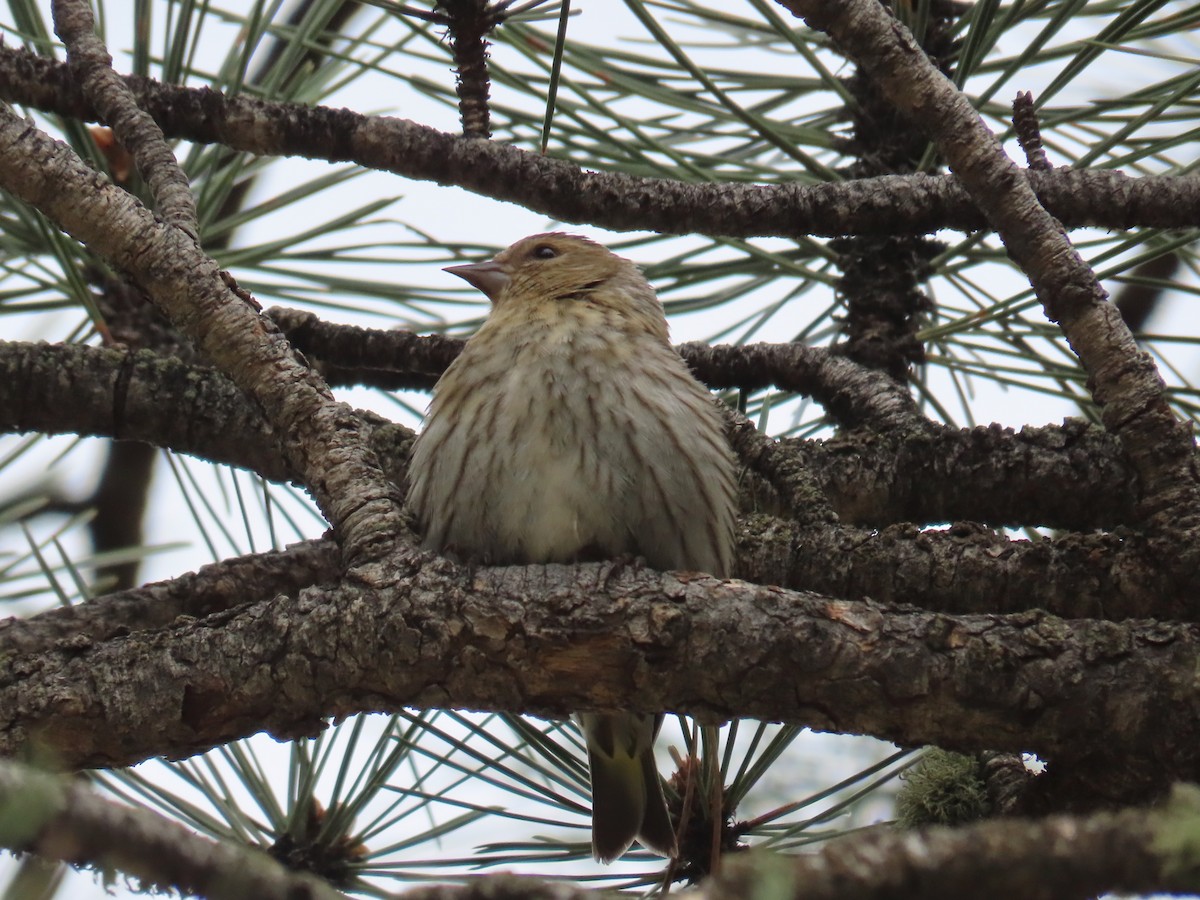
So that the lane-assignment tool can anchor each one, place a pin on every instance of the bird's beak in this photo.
(489, 277)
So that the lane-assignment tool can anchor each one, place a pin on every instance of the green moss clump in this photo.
(943, 789)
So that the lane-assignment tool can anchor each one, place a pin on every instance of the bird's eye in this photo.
(544, 251)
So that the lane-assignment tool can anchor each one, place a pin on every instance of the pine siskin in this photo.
(570, 430)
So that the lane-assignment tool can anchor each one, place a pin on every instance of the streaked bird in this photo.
(570, 430)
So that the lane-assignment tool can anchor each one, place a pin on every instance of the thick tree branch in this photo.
(214, 588)
(1071, 476)
(965, 569)
(67, 820)
(122, 394)
(564, 191)
(1057, 858)
(322, 439)
(522, 640)
(394, 360)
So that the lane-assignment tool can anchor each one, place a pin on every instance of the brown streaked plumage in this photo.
(569, 429)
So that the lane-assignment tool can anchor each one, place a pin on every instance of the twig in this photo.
(136, 131)
(1029, 133)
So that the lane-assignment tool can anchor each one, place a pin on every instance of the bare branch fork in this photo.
(322, 437)
(1124, 380)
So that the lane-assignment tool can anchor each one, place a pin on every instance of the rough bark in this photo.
(521, 639)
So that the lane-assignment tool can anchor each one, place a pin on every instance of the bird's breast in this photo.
(560, 497)
(562, 444)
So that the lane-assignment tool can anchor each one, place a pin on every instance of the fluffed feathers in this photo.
(570, 429)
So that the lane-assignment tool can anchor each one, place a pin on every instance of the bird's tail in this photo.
(627, 794)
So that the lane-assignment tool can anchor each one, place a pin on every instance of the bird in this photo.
(570, 430)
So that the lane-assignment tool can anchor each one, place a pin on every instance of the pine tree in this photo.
(876, 230)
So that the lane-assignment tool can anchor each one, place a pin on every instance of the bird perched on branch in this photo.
(570, 430)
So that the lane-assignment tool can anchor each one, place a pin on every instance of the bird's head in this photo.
(545, 271)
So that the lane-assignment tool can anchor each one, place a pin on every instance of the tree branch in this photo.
(214, 588)
(136, 131)
(62, 819)
(394, 360)
(1124, 381)
(965, 569)
(1071, 476)
(321, 439)
(1058, 858)
(122, 394)
(569, 193)
(524, 639)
